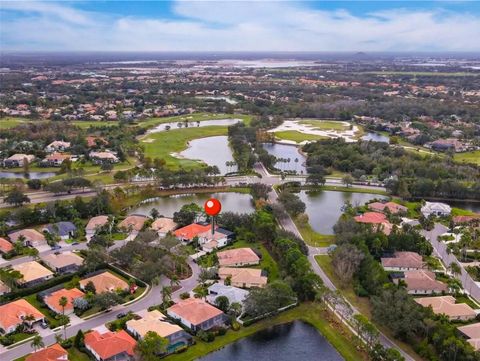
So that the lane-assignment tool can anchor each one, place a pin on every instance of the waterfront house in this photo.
(133, 224)
(234, 294)
(163, 225)
(94, 224)
(18, 160)
(378, 221)
(392, 207)
(196, 314)
(435, 209)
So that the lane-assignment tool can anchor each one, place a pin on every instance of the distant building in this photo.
(103, 157)
(57, 146)
(18, 160)
(435, 209)
(392, 207)
(196, 314)
(56, 159)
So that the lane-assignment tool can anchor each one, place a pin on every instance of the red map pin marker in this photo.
(212, 207)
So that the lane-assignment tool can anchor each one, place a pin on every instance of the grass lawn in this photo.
(468, 157)
(467, 300)
(461, 212)
(350, 189)
(85, 124)
(74, 354)
(310, 313)
(161, 145)
(10, 122)
(325, 124)
(32, 299)
(313, 238)
(433, 263)
(297, 136)
(152, 122)
(361, 303)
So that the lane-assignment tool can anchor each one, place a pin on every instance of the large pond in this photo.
(31, 175)
(212, 151)
(376, 137)
(325, 207)
(231, 202)
(292, 341)
(470, 206)
(289, 152)
(193, 124)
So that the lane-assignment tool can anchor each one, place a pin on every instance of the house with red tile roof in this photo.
(53, 300)
(238, 257)
(392, 207)
(197, 314)
(51, 353)
(110, 345)
(188, 233)
(92, 141)
(13, 314)
(466, 219)
(378, 220)
(423, 282)
(402, 261)
(56, 159)
(5, 246)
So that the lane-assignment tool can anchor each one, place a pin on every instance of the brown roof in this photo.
(243, 275)
(466, 219)
(62, 260)
(96, 222)
(32, 271)
(393, 207)
(423, 280)
(153, 321)
(53, 299)
(105, 282)
(28, 233)
(5, 246)
(52, 353)
(446, 305)
(109, 344)
(237, 256)
(134, 221)
(403, 260)
(195, 310)
(471, 331)
(11, 314)
(164, 225)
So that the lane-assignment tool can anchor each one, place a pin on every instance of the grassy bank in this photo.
(296, 136)
(310, 313)
(319, 124)
(468, 157)
(313, 238)
(195, 117)
(10, 122)
(85, 124)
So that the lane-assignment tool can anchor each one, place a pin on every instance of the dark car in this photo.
(121, 315)
(75, 243)
(56, 247)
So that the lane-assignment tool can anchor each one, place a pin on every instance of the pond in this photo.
(291, 341)
(231, 202)
(212, 151)
(31, 175)
(193, 124)
(287, 152)
(219, 98)
(468, 205)
(324, 208)
(376, 137)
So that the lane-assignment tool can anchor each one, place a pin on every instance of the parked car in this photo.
(57, 246)
(75, 243)
(121, 315)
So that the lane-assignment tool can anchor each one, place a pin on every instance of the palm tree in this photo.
(37, 343)
(455, 269)
(166, 295)
(29, 319)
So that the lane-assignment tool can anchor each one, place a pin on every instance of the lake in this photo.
(376, 137)
(324, 208)
(287, 151)
(470, 206)
(31, 175)
(287, 342)
(212, 151)
(231, 202)
(193, 124)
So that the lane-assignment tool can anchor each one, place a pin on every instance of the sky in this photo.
(374, 26)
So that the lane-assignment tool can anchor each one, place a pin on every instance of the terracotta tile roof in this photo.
(62, 260)
(247, 276)
(403, 260)
(52, 353)
(91, 141)
(446, 305)
(95, 222)
(471, 331)
(12, 313)
(32, 271)
(423, 280)
(164, 225)
(371, 218)
(191, 231)
(134, 221)
(466, 219)
(153, 321)
(5, 246)
(29, 234)
(53, 299)
(58, 157)
(105, 282)
(194, 310)
(109, 344)
(237, 256)
(393, 207)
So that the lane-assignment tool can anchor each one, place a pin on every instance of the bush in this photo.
(184, 295)
(67, 343)
(205, 336)
(235, 325)
(221, 331)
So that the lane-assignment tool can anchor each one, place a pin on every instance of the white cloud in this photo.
(228, 26)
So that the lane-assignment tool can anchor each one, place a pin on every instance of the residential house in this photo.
(13, 314)
(238, 257)
(31, 237)
(110, 346)
(243, 277)
(105, 282)
(163, 226)
(56, 159)
(378, 221)
(188, 233)
(51, 353)
(5, 246)
(234, 294)
(423, 282)
(155, 321)
(466, 219)
(93, 141)
(443, 145)
(33, 273)
(392, 207)
(196, 314)
(133, 224)
(402, 261)
(63, 262)
(18, 160)
(472, 333)
(64, 230)
(446, 305)
(435, 209)
(103, 157)
(94, 224)
(53, 300)
(57, 146)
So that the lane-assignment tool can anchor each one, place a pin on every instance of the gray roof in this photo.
(61, 228)
(234, 294)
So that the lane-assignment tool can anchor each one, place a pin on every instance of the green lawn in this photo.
(352, 189)
(468, 157)
(161, 145)
(325, 124)
(297, 136)
(32, 299)
(152, 122)
(10, 122)
(311, 313)
(74, 354)
(85, 124)
(313, 238)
